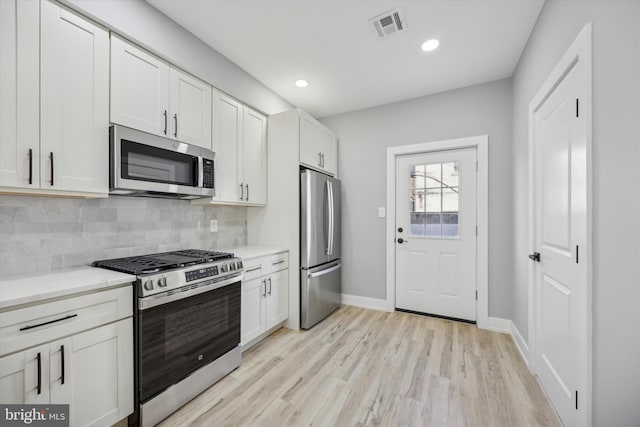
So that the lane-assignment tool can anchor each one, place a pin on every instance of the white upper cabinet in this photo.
(139, 89)
(149, 95)
(19, 94)
(318, 146)
(254, 168)
(74, 100)
(240, 144)
(54, 114)
(227, 138)
(190, 109)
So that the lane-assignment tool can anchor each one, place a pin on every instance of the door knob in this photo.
(399, 229)
(535, 256)
(401, 240)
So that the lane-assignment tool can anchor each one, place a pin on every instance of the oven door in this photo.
(183, 335)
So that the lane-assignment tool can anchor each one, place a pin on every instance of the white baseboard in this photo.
(496, 324)
(365, 302)
(520, 343)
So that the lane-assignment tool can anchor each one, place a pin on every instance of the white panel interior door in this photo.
(74, 102)
(560, 224)
(436, 233)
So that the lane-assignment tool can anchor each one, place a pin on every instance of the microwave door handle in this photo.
(200, 172)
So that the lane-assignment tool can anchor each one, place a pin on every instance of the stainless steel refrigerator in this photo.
(320, 264)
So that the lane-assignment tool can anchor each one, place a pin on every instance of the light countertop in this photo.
(31, 289)
(249, 252)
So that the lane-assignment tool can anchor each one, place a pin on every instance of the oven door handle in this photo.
(175, 295)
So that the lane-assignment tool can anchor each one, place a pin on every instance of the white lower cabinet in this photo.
(265, 295)
(92, 371)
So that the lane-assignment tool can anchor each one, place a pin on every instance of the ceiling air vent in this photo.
(388, 23)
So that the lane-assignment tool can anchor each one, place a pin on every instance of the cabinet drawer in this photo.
(26, 327)
(278, 262)
(255, 267)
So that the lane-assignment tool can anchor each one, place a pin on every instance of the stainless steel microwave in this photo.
(142, 164)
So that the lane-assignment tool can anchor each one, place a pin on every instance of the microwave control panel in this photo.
(207, 173)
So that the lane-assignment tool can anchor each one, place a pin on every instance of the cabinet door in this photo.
(98, 367)
(139, 89)
(310, 145)
(329, 148)
(190, 102)
(277, 298)
(74, 100)
(20, 374)
(253, 318)
(227, 143)
(19, 93)
(255, 157)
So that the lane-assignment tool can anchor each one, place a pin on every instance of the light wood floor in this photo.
(362, 367)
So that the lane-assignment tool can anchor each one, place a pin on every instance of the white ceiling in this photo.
(331, 44)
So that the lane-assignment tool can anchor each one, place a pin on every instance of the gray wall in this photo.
(616, 198)
(150, 28)
(364, 136)
(39, 234)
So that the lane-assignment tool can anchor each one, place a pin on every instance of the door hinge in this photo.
(476, 230)
(476, 295)
(576, 399)
(577, 254)
(577, 107)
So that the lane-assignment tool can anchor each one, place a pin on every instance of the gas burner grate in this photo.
(161, 261)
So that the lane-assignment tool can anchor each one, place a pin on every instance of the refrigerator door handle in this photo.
(331, 218)
(326, 226)
(323, 272)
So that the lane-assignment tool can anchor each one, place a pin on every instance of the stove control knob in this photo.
(224, 268)
(148, 285)
(232, 266)
(239, 265)
(162, 282)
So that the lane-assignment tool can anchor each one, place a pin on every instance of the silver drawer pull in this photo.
(254, 269)
(71, 316)
(278, 262)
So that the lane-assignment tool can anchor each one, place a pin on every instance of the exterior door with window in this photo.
(436, 233)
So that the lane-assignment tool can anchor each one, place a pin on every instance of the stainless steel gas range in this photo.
(187, 326)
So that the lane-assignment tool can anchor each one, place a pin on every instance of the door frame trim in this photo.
(481, 144)
(578, 54)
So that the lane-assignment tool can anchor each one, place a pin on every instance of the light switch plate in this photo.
(382, 212)
(213, 226)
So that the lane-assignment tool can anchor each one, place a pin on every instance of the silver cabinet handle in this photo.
(269, 285)
(320, 159)
(264, 293)
(254, 269)
(175, 132)
(278, 262)
(165, 122)
(241, 191)
(323, 160)
(247, 185)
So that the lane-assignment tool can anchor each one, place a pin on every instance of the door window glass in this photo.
(433, 194)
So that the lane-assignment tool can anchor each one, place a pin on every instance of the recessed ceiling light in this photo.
(302, 83)
(431, 44)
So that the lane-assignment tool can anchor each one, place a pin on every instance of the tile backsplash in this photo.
(39, 234)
